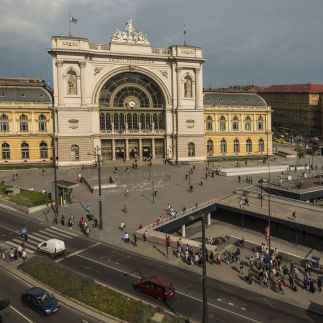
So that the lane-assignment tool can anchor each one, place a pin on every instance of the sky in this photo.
(244, 41)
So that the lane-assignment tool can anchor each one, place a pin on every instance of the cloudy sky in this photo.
(244, 41)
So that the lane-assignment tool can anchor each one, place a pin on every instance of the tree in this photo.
(300, 154)
(313, 152)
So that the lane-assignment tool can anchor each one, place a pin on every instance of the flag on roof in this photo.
(72, 19)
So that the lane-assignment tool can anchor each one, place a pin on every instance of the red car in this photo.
(155, 286)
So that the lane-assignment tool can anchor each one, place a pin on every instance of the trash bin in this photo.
(315, 262)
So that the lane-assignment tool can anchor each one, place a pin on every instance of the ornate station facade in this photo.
(128, 99)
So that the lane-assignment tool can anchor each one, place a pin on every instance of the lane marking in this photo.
(78, 252)
(64, 231)
(59, 233)
(34, 238)
(29, 245)
(9, 229)
(181, 293)
(50, 234)
(22, 315)
(43, 237)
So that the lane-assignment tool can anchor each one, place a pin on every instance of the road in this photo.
(17, 312)
(119, 268)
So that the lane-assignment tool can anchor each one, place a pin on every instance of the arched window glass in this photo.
(223, 146)
(102, 121)
(43, 149)
(210, 147)
(235, 123)
(222, 123)
(209, 123)
(5, 151)
(148, 121)
(4, 123)
(129, 121)
(116, 121)
(122, 125)
(24, 150)
(161, 121)
(23, 123)
(142, 120)
(108, 121)
(135, 121)
(260, 123)
(155, 120)
(236, 146)
(247, 123)
(42, 123)
(248, 146)
(261, 145)
(75, 152)
(191, 149)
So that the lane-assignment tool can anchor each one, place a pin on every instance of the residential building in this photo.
(25, 121)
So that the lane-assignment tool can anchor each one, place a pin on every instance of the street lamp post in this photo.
(98, 158)
(54, 144)
(204, 276)
(153, 192)
(189, 179)
(148, 172)
(269, 214)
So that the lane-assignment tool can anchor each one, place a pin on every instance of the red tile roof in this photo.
(292, 88)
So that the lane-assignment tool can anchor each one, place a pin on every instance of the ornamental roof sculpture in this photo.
(130, 35)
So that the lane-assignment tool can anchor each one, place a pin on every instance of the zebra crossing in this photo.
(39, 236)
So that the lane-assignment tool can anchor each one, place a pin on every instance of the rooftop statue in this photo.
(130, 35)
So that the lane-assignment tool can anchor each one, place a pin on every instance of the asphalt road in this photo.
(17, 312)
(119, 268)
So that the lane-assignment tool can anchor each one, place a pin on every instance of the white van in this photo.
(53, 247)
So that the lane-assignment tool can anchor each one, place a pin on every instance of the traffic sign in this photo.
(267, 232)
(100, 198)
(88, 207)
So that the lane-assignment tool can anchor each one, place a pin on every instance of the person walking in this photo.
(241, 268)
(87, 231)
(62, 220)
(168, 242)
(134, 239)
(19, 251)
(319, 284)
(24, 255)
(239, 178)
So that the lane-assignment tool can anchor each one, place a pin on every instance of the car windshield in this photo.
(45, 298)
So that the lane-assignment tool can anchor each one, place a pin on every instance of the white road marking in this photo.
(78, 252)
(22, 315)
(12, 244)
(25, 244)
(181, 293)
(3, 226)
(34, 237)
(58, 233)
(64, 231)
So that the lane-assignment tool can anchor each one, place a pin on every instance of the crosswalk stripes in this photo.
(37, 237)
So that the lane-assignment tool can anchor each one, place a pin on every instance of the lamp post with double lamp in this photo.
(100, 197)
(204, 276)
(54, 145)
(269, 214)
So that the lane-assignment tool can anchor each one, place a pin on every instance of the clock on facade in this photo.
(132, 104)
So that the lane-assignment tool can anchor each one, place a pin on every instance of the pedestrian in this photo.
(155, 191)
(95, 224)
(62, 220)
(191, 188)
(211, 257)
(43, 171)
(24, 255)
(125, 208)
(19, 250)
(294, 216)
(126, 193)
(168, 242)
(122, 226)
(134, 239)
(319, 283)
(312, 286)
(79, 177)
(87, 231)
(146, 236)
(201, 183)
(241, 268)
(205, 176)
(126, 237)
(281, 286)
(239, 178)
(196, 204)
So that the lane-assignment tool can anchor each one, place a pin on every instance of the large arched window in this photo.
(236, 146)
(155, 120)
(261, 145)
(5, 151)
(75, 152)
(209, 123)
(142, 121)
(43, 149)
(135, 121)
(235, 123)
(4, 123)
(223, 146)
(24, 150)
(260, 123)
(23, 123)
(222, 123)
(247, 123)
(210, 147)
(148, 121)
(191, 149)
(102, 121)
(122, 125)
(116, 121)
(108, 121)
(248, 146)
(42, 123)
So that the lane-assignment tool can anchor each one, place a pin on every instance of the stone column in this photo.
(127, 149)
(183, 231)
(113, 150)
(140, 149)
(153, 148)
(179, 86)
(209, 219)
(198, 88)
(83, 83)
(60, 83)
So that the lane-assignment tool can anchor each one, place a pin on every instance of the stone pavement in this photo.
(142, 209)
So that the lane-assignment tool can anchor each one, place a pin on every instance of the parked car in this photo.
(155, 286)
(313, 140)
(40, 301)
(53, 247)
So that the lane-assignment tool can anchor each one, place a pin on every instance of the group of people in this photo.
(170, 210)
(84, 227)
(19, 252)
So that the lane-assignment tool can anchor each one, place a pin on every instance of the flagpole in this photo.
(69, 21)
